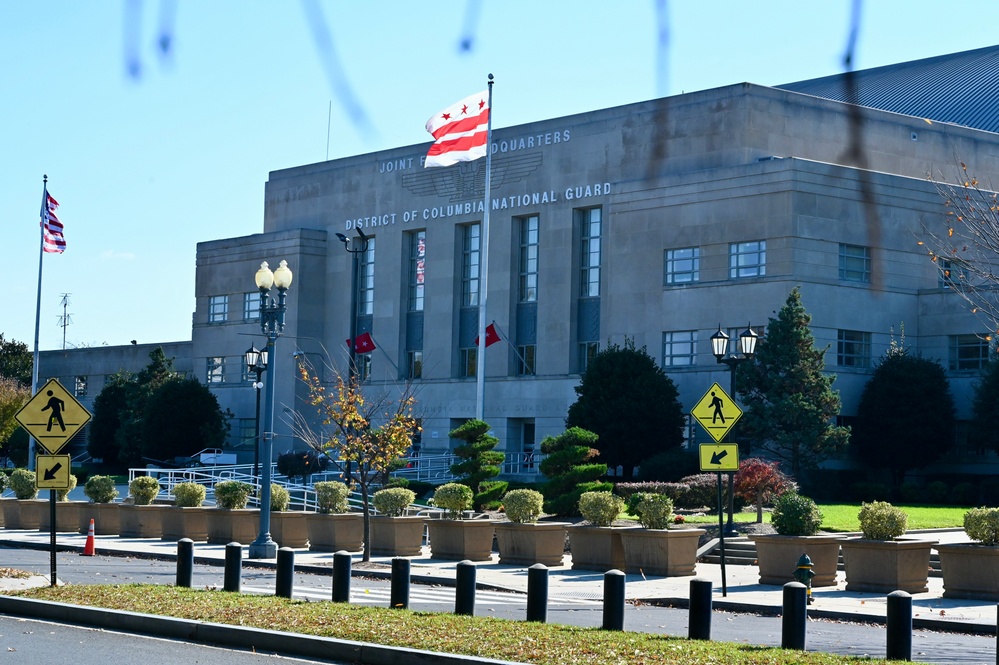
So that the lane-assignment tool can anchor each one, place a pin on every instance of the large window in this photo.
(682, 266)
(853, 348)
(589, 256)
(968, 352)
(251, 306)
(950, 273)
(855, 263)
(526, 356)
(414, 364)
(80, 387)
(470, 265)
(417, 269)
(366, 279)
(747, 259)
(679, 348)
(247, 430)
(215, 369)
(467, 362)
(587, 350)
(218, 309)
(529, 259)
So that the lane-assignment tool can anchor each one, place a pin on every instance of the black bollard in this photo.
(285, 582)
(699, 621)
(185, 562)
(464, 589)
(613, 600)
(899, 620)
(341, 577)
(795, 607)
(400, 583)
(233, 567)
(537, 593)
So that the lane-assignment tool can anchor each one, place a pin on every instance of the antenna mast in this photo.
(66, 318)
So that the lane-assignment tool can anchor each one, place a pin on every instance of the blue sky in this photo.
(145, 166)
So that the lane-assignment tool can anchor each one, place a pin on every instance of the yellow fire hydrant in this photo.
(804, 574)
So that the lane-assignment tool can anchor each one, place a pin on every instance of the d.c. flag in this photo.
(53, 240)
(460, 131)
(491, 336)
(363, 343)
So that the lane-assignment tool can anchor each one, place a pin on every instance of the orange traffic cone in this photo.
(88, 549)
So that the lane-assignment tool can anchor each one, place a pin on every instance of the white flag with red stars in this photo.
(460, 131)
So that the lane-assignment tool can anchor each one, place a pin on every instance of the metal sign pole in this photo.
(721, 533)
(52, 534)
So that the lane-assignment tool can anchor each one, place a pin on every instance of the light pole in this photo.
(355, 267)
(272, 324)
(256, 361)
(747, 349)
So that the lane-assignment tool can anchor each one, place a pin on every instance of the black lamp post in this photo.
(256, 361)
(272, 325)
(747, 349)
(355, 269)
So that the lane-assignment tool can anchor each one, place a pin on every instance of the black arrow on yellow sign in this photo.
(717, 457)
(50, 474)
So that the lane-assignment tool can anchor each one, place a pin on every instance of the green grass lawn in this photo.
(842, 517)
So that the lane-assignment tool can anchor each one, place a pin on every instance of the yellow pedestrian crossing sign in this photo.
(719, 456)
(717, 412)
(52, 416)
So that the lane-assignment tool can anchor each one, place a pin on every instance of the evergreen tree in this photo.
(15, 361)
(181, 418)
(129, 435)
(569, 470)
(789, 403)
(109, 406)
(479, 462)
(983, 431)
(627, 400)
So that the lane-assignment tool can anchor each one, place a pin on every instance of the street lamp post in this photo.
(272, 325)
(354, 270)
(747, 349)
(256, 361)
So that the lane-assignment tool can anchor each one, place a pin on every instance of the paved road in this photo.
(835, 637)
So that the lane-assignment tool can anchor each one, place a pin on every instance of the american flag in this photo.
(53, 240)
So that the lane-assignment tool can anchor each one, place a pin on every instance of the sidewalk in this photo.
(744, 593)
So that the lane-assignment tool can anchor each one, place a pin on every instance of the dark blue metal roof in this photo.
(961, 88)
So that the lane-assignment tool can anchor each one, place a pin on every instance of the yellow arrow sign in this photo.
(719, 456)
(53, 472)
(52, 416)
(717, 412)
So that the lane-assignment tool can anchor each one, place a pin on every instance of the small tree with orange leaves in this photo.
(350, 435)
(760, 482)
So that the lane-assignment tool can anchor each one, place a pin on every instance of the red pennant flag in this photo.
(364, 343)
(491, 336)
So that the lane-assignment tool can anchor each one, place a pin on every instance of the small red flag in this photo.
(491, 336)
(363, 343)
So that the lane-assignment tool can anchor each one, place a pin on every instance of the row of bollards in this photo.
(794, 615)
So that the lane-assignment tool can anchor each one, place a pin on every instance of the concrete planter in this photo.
(185, 522)
(461, 540)
(335, 532)
(105, 516)
(884, 566)
(597, 547)
(67, 517)
(23, 513)
(396, 536)
(290, 529)
(528, 544)
(970, 570)
(11, 512)
(777, 556)
(664, 552)
(140, 521)
(239, 525)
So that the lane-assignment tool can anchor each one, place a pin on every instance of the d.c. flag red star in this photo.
(460, 131)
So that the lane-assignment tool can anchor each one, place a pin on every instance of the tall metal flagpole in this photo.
(480, 352)
(38, 308)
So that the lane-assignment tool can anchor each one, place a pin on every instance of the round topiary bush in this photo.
(393, 501)
(982, 524)
(189, 495)
(22, 482)
(879, 520)
(600, 508)
(232, 494)
(453, 498)
(795, 515)
(655, 511)
(100, 489)
(63, 493)
(144, 489)
(3, 481)
(280, 498)
(523, 506)
(331, 497)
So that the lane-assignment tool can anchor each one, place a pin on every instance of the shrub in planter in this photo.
(144, 489)
(632, 491)
(600, 508)
(393, 501)
(795, 515)
(655, 511)
(100, 489)
(189, 495)
(331, 497)
(523, 506)
(982, 524)
(3, 482)
(879, 520)
(453, 498)
(232, 494)
(22, 482)
(280, 498)
(63, 493)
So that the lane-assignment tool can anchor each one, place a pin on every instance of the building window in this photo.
(526, 355)
(587, 350)
(470, 265)
(218, 309)
(855, 263)
(417, 269)
(950, 273)
(679, 348)
(853, 348)
(247, 431)
(363, 363)
(366, 279)
(589, 256)
(80, 386)
(747, 259)
(414, 365)
(251, 306)
(683, 266)
(216, 369)
(529, 259)
(467, 362)
(968, 352)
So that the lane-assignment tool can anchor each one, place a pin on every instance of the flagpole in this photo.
(480, 353)
(38, 309)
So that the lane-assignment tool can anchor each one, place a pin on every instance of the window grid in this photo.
(251, 306)
(968, 352)
(215, 367)
(366, 279)
(218, 309)
(417, 269)
(247, 430)
(467, 362)
(683, 266)
(950, 273)
(470, 265)
(80, 386)
(855, 263)
(526, 362)
(747, 259)
(587, 350)
(363, 364)
(414, 366)
(853, 348)
(680, 348)
(529, 259)
(589, 261)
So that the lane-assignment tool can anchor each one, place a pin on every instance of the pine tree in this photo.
(479, 462)
(789, 402)
(983, 433)
(569, 470)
